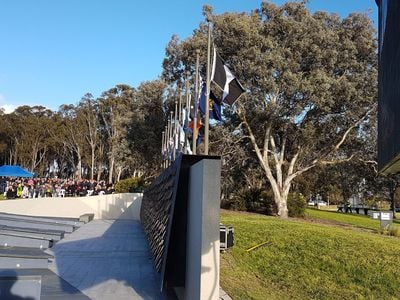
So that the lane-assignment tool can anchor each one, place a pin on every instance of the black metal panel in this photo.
(389, 86)
(155, 212)
(164, 219)
(175, 259)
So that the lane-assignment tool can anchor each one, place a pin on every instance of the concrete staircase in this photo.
(23, 260)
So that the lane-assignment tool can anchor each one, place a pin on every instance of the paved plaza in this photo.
(108, 259)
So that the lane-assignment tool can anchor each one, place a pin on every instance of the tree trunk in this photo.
(119, 174)
(79, 168)
(280, 197)
(110, 169)
(92, 164)
(99, 172)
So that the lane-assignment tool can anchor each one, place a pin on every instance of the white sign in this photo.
(386, 216)
(375, 215)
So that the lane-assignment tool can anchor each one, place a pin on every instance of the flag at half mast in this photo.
(223, 77)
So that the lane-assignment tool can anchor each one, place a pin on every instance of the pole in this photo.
(179, 121)
(173, 133)
(207, 109)
(187, 112)
(196, 99)
(162, 149)
(166, 142)
(169, 141)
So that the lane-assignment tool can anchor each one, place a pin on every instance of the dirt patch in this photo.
(336, 224)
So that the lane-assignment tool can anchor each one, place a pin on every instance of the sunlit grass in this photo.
(360, 221)
(308, 261)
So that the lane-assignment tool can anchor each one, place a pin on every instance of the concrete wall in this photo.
(202, 257)
(125, 206)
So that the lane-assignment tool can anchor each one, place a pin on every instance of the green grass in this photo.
(308, 261)
(360, 221)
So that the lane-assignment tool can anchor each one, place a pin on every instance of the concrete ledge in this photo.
(114, 206)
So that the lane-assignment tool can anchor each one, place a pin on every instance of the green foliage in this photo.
(307, 261)
(254, 200)
(130, 185)
(391, 230)
(377, 202)
(296, 205)
(268, 202)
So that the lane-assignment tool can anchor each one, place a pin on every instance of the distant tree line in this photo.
(105, 138)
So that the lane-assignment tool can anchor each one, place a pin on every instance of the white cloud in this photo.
(8, 108)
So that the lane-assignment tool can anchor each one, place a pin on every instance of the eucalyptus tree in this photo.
(310, 79)
(26, 134)
(115, 109)
(88, 110)
(11, 137)
(146, 127)
(72, 128)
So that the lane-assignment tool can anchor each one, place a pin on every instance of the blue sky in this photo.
(53, 52)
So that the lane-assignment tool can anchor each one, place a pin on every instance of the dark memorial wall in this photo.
(163, 215)
(389, 86)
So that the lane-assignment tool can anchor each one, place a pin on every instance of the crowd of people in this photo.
(52, 187)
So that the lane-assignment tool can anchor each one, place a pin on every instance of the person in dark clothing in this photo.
(10, 193)
(3, 185)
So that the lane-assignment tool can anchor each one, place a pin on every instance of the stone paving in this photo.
(108, 259)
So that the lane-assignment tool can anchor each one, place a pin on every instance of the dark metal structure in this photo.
(164, 219)
(389, 86)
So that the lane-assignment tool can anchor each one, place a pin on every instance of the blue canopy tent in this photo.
(14, 171)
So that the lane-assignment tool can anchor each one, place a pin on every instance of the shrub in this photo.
(390, 230)
(296, 205)
(130, 185)
(254, 200)
(268, 201)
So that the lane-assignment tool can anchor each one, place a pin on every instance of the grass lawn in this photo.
(360, 221)
(308, 260)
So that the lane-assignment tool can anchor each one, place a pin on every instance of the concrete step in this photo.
(40, 233)
(15, 240)
(64, 221)
(23, 258)
(24, 283)
(35, 224)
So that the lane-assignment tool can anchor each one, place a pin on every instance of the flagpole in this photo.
(207, 108)
(170, 139)
(178, 121)
(176, 145)
(187, 111)
(162, 149)
(168, 143)
(165, 146)
(195, 102)
(173, 133)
